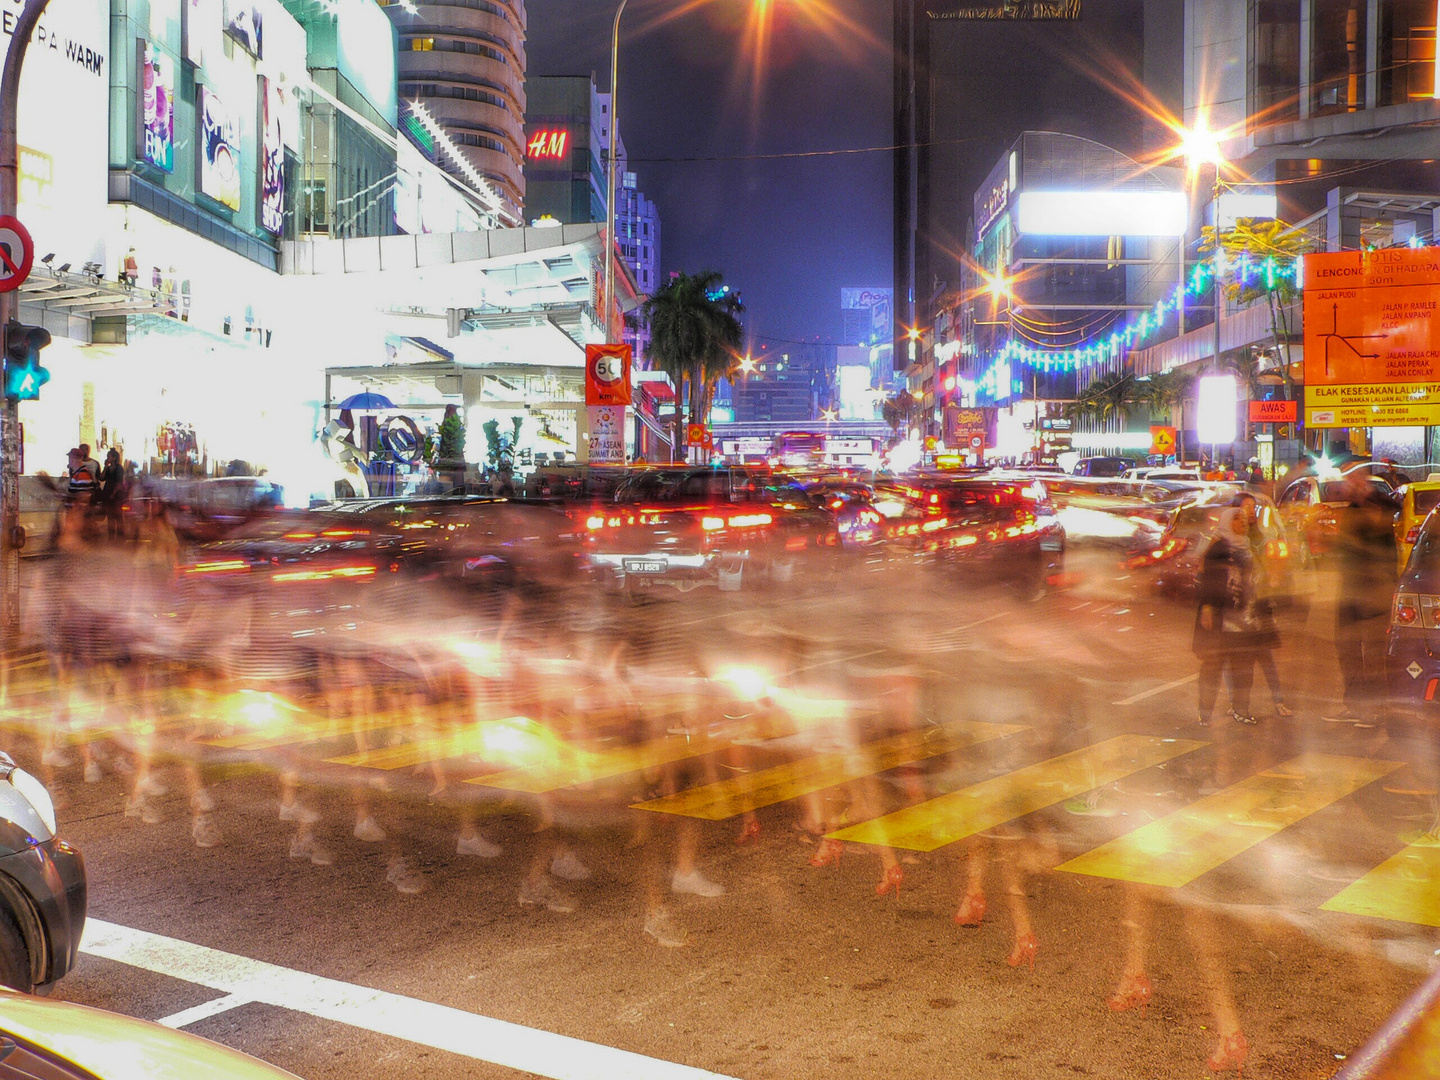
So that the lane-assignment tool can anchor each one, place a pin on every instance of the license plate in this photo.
(645, 566)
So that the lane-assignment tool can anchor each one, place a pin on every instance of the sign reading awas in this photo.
(1372, 339)
(1274, 412)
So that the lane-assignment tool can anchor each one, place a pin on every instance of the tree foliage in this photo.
(695, 338)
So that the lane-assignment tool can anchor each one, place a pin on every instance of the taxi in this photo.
(1416, 501)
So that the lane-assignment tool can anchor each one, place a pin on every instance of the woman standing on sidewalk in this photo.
(1227, 631)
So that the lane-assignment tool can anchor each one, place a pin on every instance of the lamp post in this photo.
(21, 33)
(610, 176)
(1200, 147)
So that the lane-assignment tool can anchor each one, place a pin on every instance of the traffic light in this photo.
(23, 374)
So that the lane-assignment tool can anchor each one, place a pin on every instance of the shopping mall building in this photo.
(238, 225)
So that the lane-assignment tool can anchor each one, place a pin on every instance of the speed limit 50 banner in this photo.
(607, 374)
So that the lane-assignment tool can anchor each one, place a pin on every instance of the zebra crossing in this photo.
(518, 755)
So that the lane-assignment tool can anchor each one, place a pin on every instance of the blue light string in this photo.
(1115, 344)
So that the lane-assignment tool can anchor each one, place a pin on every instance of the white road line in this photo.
(203, 1011)
(1157, 690)
(455, 1030)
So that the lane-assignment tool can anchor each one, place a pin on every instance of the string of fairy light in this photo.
(1103, 348)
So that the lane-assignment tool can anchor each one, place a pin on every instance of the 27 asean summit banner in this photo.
(1372, 339)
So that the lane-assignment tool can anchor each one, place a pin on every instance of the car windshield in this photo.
(1426, 499)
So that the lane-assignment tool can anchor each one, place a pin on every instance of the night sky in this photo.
(790, 232)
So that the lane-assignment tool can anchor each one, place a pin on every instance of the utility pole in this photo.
(10, 538)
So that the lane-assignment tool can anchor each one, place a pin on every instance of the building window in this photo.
(1337, 56)
(1274, 61)
(1407, 51)
(422, 44)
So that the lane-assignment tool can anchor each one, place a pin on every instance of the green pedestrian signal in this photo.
(23, 374)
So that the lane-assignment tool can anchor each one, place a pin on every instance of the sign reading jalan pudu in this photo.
(1372, 338)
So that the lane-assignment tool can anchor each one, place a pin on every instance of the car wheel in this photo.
(14, 957)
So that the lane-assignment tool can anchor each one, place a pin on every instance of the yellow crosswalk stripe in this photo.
(479, 738)
(568, 765)
(948, 818)
(726, 798)
(1405, 888)
(1176, 849)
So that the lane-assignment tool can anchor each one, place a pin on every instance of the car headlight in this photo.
(35, 794)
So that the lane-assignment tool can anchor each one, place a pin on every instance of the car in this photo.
(994, 529)
(204, 510)
(1310, 507)
(1416, 500)
(1175, 472)
(686, 527)
(1103, 466)
(1412, 644)
(57, 1040)
(1173, 562)
(42, 886)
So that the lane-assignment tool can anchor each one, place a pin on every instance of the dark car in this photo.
(683, 528)
(1172, 562)
(1412, 647)
(210, 509)
(1001, 530)
(1103, 466)
(42, 886)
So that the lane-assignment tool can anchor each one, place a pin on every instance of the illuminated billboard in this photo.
(1101, 213)
(157, 124)
(244, 23)
(219, 150)
(548, 144)
(272, 158)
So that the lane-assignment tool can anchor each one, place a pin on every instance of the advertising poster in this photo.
(607, 434)
(1372, 339)
(970, 428)
(219, 150)
(199, 28)
(272, 158)
(244, 23)
(607, 374)
(157, 124)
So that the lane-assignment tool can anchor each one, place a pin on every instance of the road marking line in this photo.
(578, 766)
(1157, 690)
(751, 791)
(467, 1034)
(203, 1011)
(1405, 888)
(1176, 849)
(948, 818)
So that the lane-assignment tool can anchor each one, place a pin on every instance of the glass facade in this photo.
(1337, 56)
(1407, 51)
(1274, 60)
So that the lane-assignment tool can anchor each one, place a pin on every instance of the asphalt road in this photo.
(1058, 769)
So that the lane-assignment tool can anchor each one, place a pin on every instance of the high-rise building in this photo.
(637, 226)
(463, 61)
(866, 315)
(567, 137)
(788, 387)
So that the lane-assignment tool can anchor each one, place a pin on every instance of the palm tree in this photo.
(695, 338)
(897, 409)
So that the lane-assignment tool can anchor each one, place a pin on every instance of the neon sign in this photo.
(548, 144)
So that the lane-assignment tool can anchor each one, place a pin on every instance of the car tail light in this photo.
(710, 524)
(1412, 535)
(795, 543)
(1406, 611)
(1277, 549)
(332, 573)
(1168, 550)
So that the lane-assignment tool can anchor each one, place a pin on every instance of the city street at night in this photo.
(1072, 788)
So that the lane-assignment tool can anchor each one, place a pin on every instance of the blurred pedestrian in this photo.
(1267, 635)
(1365, 547)
(1225, 623)
(111, 497)
(81, 481)
(1254, 475)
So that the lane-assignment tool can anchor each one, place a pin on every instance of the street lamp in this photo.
(1200, 147)
(610, 174)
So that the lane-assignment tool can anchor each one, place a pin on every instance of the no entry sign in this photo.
(17, 253)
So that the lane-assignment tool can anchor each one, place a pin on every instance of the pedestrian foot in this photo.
(661, 926)
(696, 884)
(542, 891)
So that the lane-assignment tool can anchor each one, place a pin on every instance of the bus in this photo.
(797, 449)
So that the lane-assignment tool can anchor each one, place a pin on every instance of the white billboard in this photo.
(856, 400)
(63, 128)
(1101, 213)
